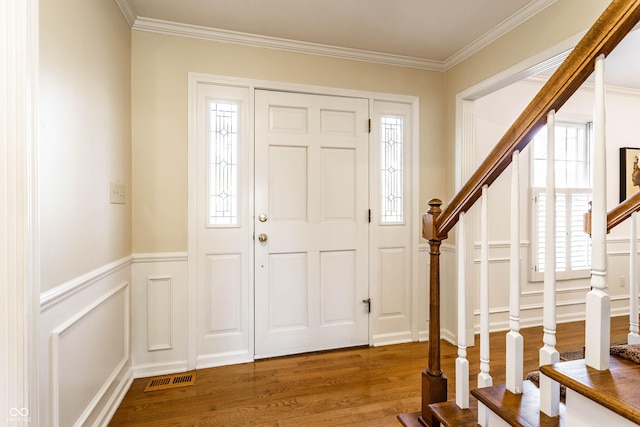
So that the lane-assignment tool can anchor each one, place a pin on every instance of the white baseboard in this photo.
(448, 336)
(213, 361)
(154, 369)
(115, 400)
(389, 339)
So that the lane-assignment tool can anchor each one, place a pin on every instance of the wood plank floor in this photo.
(350, 387)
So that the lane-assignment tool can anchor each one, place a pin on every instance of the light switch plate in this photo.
(118, 193)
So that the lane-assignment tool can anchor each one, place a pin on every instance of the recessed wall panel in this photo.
(159, 290)
(289, 303)
(392, 281)
(86, 356)
(288, 183)
(338, 287)
(224, 290)
(338, 184)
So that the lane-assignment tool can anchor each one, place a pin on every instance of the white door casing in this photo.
(311, 182)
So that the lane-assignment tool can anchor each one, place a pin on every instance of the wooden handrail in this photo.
(623, 211)
(613, 25)
(616, 215)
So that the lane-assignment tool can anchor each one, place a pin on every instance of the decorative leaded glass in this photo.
(223, 163)
(391, 182)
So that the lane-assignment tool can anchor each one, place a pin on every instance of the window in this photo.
(223, 163)
(392, 173)
(573, 193)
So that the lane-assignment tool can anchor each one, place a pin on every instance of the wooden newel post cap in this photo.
(429, 230)
(434, 206)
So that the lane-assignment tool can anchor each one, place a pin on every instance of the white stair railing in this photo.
(515, 342)
(462, 364)
(598, 306)
(633, 337)
(484, 378)
(549, 389)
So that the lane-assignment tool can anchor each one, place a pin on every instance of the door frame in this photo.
(194, 79)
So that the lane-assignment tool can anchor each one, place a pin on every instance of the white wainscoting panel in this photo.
(78, 370)
(84, 362)
(159, 322)
(159, 302)
(570, 294)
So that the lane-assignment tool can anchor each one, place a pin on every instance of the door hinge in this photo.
(368, 302)
(369, 125)
(369, 216)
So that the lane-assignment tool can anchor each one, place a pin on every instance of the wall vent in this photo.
(170, 381)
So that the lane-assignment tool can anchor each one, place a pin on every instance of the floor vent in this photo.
(170, 381)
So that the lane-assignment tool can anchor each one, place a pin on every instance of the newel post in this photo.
(434, 383)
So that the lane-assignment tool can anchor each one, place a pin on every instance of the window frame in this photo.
(535, 273)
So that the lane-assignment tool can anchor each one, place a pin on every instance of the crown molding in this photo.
(226, 36)
(254, 40)
(498, 31)
(128, 11)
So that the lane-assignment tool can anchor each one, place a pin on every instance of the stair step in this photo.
(615, 388)
(518, 410)
(448, 414)
(411, 419)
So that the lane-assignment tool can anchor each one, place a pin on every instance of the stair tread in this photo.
(450, 415)
(521, 410)
(411, 419)
(615, 388)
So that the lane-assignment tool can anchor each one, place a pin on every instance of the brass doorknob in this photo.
(263, 237)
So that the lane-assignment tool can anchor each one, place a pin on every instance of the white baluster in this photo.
(484, 379)
(549, 389)
(515, 342)
(462, 364)
(598, 307)
(633, 337)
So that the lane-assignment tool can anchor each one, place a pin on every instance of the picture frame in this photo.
(629, 172)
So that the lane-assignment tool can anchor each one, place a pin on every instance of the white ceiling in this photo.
(433, 34)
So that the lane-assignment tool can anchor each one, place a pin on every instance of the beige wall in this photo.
(557, 23)
(84, 117)
(160, 67)
(84, 136)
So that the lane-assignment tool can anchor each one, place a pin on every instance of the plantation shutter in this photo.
(573, 254)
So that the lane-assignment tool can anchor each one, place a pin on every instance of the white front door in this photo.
(311, 222)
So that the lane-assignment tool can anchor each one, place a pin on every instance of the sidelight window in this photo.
(223, 163)
(392, 173)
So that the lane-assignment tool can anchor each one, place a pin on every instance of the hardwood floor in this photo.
(351, 387)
